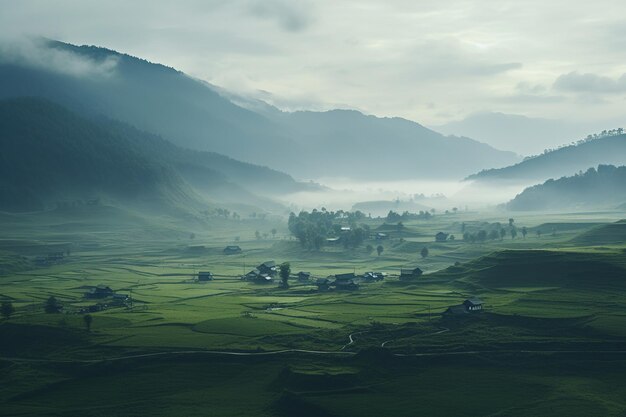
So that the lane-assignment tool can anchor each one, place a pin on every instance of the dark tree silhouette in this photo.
(87, 318)
(285, 271)
(7, 309)
(524, 232)
(424, 252)
(380, 249)
(52, 305)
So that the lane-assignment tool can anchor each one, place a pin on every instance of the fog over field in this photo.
(343, 193)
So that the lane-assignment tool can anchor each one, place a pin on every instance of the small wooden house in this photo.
(469, 306)
(304, 276)
(409, 274)
(101, 291)
(232, 250)
(441, 237)
(323, 284)
(205, 276)
(473, 304)
(268, 268)
(345, 281)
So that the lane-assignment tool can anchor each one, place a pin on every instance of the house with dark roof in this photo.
(304, 276)
(101, 291)
(268, 268)
(373, 276)
(232, 250)
(345, 281)
(441, 237)
(205, 276)
(323, 284)
(469, 306)
(409, 274)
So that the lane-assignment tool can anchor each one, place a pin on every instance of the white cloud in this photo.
(39, 53)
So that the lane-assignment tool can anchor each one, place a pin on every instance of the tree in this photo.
(538, 233)
(524, 232)
(511, 221)
(87, 318)
(463, 227)
(52, 305)
(502, 233)
(451, 237)
(369, 249)
(7, 309)
(493, 234)
(273, 233)
(513, 233)
(285, 271)
(257, 234)
(379, 249)
(481, 236)
(424, 252)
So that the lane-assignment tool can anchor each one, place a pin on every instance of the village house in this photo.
(471, 305)
(373, 276)
(232, 250)
(101, 291)
(345, 281)
(257, 276)
(409, 274)
(323, 284)
(381, 236)
(304, 276)
(205, 276)
(268, 268)
(441, 237)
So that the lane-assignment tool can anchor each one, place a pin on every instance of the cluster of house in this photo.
(471, 305)
(264, 273)
(50, 259)
(102, 292)
(347, 281)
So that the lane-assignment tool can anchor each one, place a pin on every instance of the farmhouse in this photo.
(345, 282)
(205, 276)
(232, 250)
(304, 276)
(268, 268)
(323, 284)
(471, 305)
(381, 236)
(441, 237)
(101, 291)
(409, 274)
(257, 276)
(373, 276)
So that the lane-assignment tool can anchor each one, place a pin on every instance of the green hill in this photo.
(561, 162)
(602, 187)
(49, 154)
(541, 268)
(608, 234)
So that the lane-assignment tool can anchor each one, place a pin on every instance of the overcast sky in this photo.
(431, 61)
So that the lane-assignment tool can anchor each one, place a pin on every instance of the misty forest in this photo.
(235, 209)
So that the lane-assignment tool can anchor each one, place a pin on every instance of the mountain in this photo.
(383, 147)
(521, 134)
(50, 154)
(598, 188)
(610, 149)
(195, 115)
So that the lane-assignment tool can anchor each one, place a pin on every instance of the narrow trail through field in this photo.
(445, 329)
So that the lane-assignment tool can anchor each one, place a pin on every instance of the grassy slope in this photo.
(562, 296)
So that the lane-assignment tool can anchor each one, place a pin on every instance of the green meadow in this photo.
(551, 340)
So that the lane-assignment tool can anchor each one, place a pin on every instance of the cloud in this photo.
(590, 83)
(290, 16)
(41, 53)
